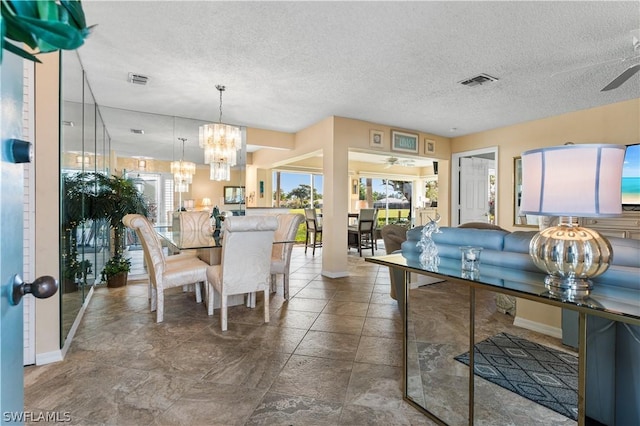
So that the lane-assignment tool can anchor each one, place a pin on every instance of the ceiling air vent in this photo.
(478, 80)
(137, 131)
(137, 79)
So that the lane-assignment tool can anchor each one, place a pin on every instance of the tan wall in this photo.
(47, 199)
(617, 123)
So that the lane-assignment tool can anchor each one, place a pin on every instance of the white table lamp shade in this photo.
(573, 180)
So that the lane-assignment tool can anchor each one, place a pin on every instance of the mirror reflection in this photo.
(137, 146)
(438, 330)
(520, 219)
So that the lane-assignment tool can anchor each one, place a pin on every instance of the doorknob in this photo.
(43, 287)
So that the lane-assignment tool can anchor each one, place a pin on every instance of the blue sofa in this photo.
(613, 348)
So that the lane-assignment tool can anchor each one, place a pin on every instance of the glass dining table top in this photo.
(185, 240)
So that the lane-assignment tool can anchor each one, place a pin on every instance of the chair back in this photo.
(366, 220)
(151, 245)
(194, 221)
(288, 225)
(311, 219)
(246, 252)
(393, 237)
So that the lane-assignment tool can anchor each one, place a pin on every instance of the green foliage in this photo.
(114, 266)
(43, 25)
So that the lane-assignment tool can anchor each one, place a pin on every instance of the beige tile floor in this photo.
(329, 356)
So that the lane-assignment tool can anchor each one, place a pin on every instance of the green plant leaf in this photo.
(57, 34)
(22, 8)
(46, 10)
(20, 52)
(75, 12)
(43, 25)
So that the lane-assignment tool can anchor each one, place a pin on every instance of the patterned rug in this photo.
(541, 374)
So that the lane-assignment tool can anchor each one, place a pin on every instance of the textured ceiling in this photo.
(288, 65)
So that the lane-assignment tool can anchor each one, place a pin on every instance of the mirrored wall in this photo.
(84, 148)
(132, 144)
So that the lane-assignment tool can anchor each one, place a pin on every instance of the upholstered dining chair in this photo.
(288, 225)
(193, 221)
(393, 236)
(314, 230)
(362, 234)
(164, 274)
(246, 259)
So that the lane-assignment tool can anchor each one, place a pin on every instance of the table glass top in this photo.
(185, 240)
(603, 298)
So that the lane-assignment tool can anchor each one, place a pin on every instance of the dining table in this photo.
(208, 245)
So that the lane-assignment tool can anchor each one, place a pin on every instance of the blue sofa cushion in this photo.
(488, 239)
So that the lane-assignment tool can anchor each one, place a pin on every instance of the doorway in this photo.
(474, 178)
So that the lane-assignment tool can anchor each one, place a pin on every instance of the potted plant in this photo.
(44, 26)
(116, 197)
(98, 197)
(72, 217)
(116, 271)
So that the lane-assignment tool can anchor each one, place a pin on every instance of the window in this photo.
(297, 190)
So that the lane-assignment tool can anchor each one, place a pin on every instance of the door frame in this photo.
(455, 178)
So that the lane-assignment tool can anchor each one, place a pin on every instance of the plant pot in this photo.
(118, 280)
(69, 285)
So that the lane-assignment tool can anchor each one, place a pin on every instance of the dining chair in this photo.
(177, 257)
(165, 274)
(288, 225)
(361, 235)
(245, 266)
(193, 221)
(393, 236)
(314, 230)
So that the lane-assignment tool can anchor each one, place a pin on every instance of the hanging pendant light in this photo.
(183, 172)
(220, 143)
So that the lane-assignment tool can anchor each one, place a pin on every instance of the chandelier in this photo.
(183, 172)
(220, 143)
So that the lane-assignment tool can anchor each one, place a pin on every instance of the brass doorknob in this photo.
(43, 287)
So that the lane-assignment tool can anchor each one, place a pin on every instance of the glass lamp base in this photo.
(568, 288)
(571, 255)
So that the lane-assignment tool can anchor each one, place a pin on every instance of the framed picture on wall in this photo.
(376, 139)
(429, 146)
(234, 194)
(404, 142)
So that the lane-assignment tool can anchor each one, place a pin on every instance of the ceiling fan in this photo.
(395, 161)
(632, 69)
(625, 75)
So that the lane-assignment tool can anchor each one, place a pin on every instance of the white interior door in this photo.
(470, 185)
(474, 189)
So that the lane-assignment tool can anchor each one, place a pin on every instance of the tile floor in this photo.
(332, 355)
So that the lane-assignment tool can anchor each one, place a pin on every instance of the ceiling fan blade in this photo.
(619, 80)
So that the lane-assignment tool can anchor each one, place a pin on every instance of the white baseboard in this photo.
(538, 327)
(334, 274)
(55, 356)
(49, 357)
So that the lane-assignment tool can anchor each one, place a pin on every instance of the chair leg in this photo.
(266, 305)
(306, 241)
(273, 283)
(223, 312)
(154, 299)
(285, 285)
(159, 306)
(251, 300)
(198, 290)
(210, 298)
(313, 253)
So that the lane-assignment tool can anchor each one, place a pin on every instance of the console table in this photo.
(609, 302)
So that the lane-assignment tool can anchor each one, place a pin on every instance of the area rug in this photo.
(546, 376)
